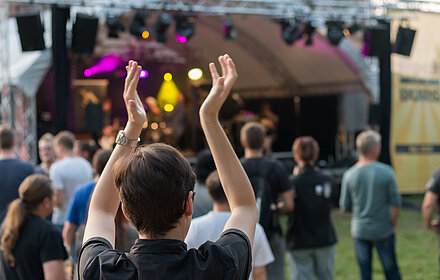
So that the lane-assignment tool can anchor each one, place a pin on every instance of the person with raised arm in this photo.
(155, 185)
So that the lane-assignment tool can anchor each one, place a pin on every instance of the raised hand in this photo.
(135, 108)
(221, 86)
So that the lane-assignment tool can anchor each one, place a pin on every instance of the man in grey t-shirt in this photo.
(369, 191)
(67, 174)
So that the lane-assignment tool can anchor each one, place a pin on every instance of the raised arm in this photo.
(235, 183)
(105, 199)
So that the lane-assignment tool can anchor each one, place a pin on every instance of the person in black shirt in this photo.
(272, 190)
(310, 234)
(155, 185)
(30, 246)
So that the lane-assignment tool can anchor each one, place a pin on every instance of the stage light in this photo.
(144, 74)
(88, 73)
(181, 39)
(335, 31)
(163, 22)
(145, 34)
(106, 64)
(138, 24)
(195, 74)
(185, 25)
(114, 26)
(289, 31)
(167, 77)
(309, 29)
(154, 126)
(168, 107)
(168, 95)
(228, 30)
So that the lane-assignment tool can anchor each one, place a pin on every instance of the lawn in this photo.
(417, 249)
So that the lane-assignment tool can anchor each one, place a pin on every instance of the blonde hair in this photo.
(366, 141)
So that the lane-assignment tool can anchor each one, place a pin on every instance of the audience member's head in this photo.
(368, 144)
(155, 179)
(35, 196)
(7, 138)
(100, 160)
(305, 150)
(204, 166)
(63, 143)
(84, 149)
(215, 188)
(45, 148)
(252, 136)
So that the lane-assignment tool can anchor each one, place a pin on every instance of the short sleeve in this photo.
(52, 247)
(345, 200)
(56, 178)
(394, 196)
(238, 246)
(433, 184)
(261, 252)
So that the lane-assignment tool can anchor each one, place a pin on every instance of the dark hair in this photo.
(153, 183)
(253, 135)
(215, 188)
(85, 147)
(204, 166)
(32, 191)
(65, 139)
(306, 149)
(6, 138)
(100, 160)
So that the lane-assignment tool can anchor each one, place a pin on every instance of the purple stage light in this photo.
(181, 39)
(87, 72)
(122, 73)
(144, 74)
(106, 64)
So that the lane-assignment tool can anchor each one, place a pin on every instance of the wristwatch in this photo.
(121, 139)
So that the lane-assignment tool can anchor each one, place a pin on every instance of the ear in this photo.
(189, 204)
(47, 203)
(125, 213)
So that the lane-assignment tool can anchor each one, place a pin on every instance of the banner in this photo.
(415, 131)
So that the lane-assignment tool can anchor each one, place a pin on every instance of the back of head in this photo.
(215, 188)
(153, 183)
(204, 166)
(305, 149)
(6, 138)
(85, 149)
(252, 135)
(100, 160)
(32, 191)
(366, 141)
(66, 139)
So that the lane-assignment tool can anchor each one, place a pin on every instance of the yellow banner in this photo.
(415, 131)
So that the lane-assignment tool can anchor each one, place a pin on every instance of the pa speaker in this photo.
(84, 33)
(404, 41)
(31, 31)
(375, 41)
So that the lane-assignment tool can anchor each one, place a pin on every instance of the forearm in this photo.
(395, 212)
(259, 273)
(69, 233)
(427, 214)
(235, 182)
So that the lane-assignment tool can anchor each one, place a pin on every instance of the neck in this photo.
(221, 207)
(46, 165)
(248, 153)
(6, 154)
(365, 160)
(66, 154)
(178, 233)
(40, 212)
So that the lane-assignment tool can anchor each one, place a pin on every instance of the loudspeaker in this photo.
(31, 31)
(375, 39)
(404, 41)
(84, 33)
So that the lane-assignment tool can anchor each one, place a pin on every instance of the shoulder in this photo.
(384, 168)
(436, 175)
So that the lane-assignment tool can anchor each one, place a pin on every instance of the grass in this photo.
(417, 248)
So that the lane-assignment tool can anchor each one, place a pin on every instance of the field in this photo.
(417, 248)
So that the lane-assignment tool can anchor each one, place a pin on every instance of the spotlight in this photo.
(138, 25)
(228, 30)
(289, 31)
(163, 22)
(335, 31)
(195, 74)
(168, 107)
(355, 27)
(167, 77)
(185, 25)
(143, 74)
(309, 29)
(114, 26)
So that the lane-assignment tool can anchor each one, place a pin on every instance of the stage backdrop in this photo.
(415, 109)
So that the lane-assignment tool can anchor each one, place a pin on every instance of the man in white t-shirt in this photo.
(210, 226)
(67, 174)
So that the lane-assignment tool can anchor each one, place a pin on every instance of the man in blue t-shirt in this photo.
(12, 170)
(77, 211)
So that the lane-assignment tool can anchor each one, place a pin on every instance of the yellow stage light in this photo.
(167, 77)
(195, 74)
(168, 107)
(145, 34)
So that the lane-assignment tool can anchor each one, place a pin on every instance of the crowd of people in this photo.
(140, 212)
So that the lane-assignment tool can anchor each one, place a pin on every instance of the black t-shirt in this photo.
(228, 258)
(309, 225)
(40, 241)
(12, 173)
(277, 178)
(433, 185)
